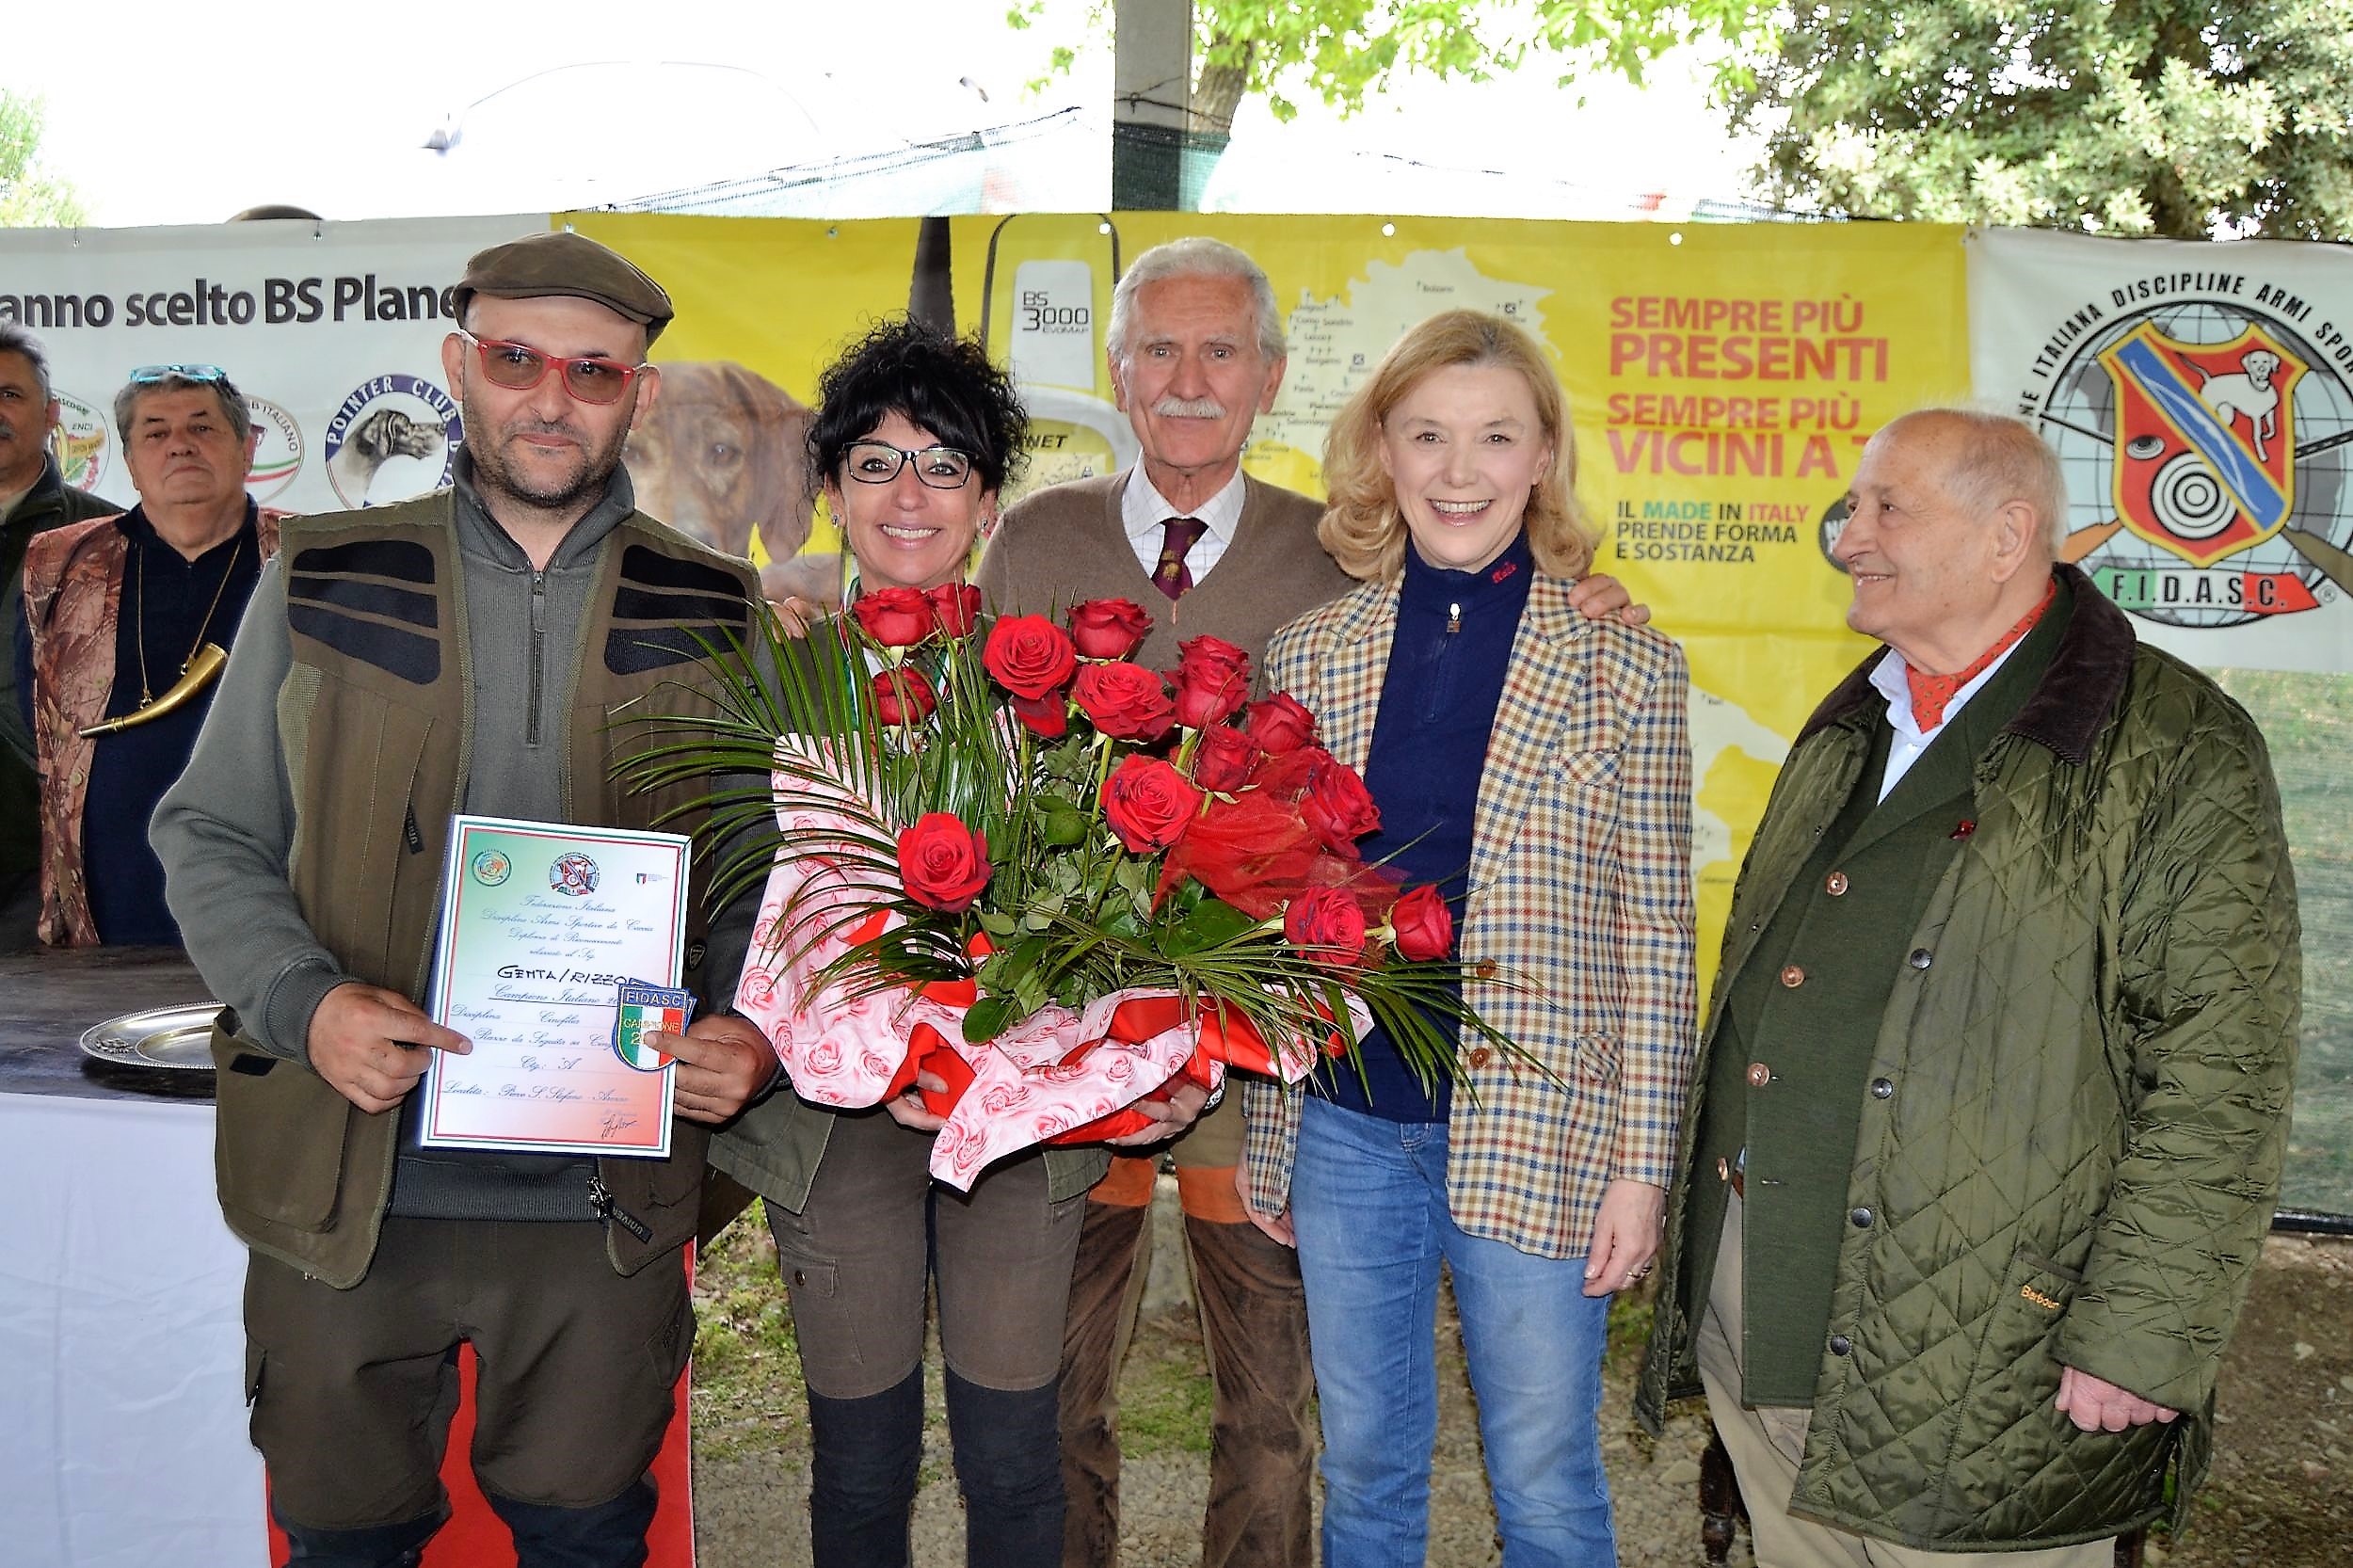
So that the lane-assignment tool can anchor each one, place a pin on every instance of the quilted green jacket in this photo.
(2079, 1159)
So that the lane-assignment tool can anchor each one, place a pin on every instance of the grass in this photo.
(747, 1393)
(749, 1398)
(1164, 1393)
(2307, 721)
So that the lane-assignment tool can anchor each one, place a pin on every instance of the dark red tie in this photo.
(1171, 575)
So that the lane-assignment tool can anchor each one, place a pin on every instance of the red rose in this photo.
(1029, 655)
(1109, 628)
(1423, 925)
(1327, 926)
(895, 617)
(1212, 676)
(904, 696)
(943, 863)
(1126, 702)
(1223, 759)
(1148, 804)
(955, 608)
(1048, 717)
(1337, 806)
(1279, 724)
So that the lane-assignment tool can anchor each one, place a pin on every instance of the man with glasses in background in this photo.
(34, 498)
(464, 651)
(126, 622)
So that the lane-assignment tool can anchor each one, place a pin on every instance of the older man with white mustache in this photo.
(1196, 352)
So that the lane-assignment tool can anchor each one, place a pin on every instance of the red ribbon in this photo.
(928, 1050)
(1225, 1036)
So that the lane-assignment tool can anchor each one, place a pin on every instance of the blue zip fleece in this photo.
(1447, 669)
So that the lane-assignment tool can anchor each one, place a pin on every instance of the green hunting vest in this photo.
(375, 721)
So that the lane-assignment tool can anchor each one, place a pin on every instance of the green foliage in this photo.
(30, 196)
(1342, 50)
(2117, 117)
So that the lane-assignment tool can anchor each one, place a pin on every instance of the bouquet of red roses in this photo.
(1007, 853)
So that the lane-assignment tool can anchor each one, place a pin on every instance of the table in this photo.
(124, 1441)
(122, 1350)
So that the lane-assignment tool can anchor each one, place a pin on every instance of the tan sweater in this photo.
(1067, 544)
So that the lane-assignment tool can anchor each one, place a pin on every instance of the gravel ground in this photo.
(751, 1507)
(2278, 1497)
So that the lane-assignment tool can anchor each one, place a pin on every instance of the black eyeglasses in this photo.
(939, 467)
(147, 374)
(520, 367)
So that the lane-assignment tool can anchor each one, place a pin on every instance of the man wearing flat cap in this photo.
(463, 651)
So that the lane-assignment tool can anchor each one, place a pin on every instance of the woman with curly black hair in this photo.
(915, 435)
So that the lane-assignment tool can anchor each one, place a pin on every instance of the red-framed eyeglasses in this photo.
(520, 367)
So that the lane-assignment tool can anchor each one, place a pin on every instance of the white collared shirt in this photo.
(1908, 742)
(1143, 509)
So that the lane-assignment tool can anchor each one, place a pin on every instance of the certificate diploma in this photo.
(541, 923)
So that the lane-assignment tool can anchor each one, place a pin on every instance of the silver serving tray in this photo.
(156, 1037)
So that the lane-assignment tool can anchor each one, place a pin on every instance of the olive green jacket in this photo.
(2089, 1050)
(371, 720)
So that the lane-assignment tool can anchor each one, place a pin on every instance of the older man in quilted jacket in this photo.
(1994, 1088)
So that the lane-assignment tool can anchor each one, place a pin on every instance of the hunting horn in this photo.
(203, 666)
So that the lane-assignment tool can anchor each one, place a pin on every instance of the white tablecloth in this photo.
(122, 1436)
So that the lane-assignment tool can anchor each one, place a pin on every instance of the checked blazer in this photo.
(1580, 895)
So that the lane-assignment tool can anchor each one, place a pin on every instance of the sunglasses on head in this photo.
(147, 374)
(519, 367)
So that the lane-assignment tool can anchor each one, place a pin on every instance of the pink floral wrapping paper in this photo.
(844, 1052)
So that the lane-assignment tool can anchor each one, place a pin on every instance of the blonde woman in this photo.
(1535, 764)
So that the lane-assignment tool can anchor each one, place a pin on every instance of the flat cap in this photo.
(563, 262)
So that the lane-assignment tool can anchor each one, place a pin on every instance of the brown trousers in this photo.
(353, 1390)
(1254, 1322)
(878, 1236)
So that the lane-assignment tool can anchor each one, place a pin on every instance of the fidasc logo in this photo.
(82, 441)
(278, 458)
(2206, 449)
(393, 438)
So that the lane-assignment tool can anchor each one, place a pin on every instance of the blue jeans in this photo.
(1369, 1201)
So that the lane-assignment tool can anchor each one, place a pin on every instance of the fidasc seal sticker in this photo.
(2208, 443)
(647, 1009)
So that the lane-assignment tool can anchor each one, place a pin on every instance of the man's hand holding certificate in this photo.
(725, 1061)
(372, 1045)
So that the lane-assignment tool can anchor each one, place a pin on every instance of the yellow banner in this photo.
(1722, 379)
